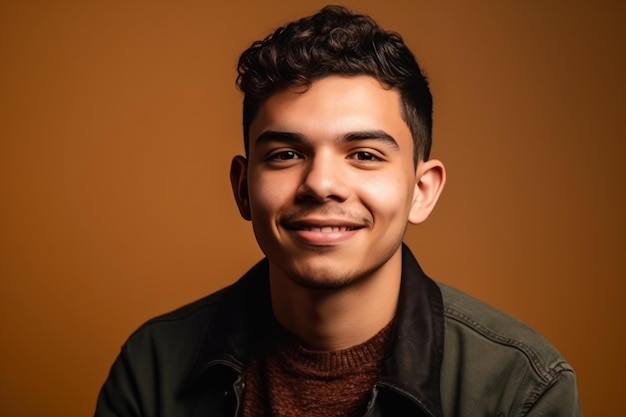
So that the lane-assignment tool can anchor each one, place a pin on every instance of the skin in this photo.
(330, 185)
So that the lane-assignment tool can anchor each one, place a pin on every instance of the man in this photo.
(338, 319)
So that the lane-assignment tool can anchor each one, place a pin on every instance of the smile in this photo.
(326, 229)
(322, 232)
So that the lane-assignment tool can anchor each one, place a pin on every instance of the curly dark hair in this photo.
(336, 41)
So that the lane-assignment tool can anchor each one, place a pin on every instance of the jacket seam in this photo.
(542, 389)
(547, 374)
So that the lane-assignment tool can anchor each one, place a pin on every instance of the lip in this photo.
(322, 232)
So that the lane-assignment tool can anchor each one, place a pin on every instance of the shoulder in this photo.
(182, 331)
(186, 319)
(470, 318)
(491, 357)
(189, 312)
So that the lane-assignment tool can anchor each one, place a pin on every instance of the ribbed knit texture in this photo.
(286, 379)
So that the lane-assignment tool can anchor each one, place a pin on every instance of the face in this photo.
(330, 182)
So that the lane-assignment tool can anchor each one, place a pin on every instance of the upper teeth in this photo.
(328, 229)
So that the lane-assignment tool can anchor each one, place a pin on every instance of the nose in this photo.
(324, 179)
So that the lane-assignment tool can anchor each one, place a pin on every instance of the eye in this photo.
(284, 156)
(365, 156)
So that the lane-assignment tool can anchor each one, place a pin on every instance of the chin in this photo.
(322, 283)
(324, 276)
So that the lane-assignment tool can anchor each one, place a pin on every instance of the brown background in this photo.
(118, 121)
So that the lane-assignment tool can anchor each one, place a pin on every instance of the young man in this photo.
(338, 319)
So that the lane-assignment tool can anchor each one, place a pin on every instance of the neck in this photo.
(337, 318)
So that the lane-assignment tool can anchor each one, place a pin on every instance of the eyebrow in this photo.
(380, 135)
(293, 137)
(277, 136)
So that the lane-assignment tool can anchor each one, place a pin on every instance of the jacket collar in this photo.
(412, 368)
(243, 314)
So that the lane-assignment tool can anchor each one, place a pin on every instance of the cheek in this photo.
(388, 197)
(267, 194)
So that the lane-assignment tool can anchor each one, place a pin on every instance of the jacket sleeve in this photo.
(559, 400)
(119, 394)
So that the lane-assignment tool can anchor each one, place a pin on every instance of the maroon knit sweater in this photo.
(285, 379)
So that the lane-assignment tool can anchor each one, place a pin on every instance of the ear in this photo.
(430, 178)
(239, 183)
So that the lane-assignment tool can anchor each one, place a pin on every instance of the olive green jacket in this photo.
(449, 355)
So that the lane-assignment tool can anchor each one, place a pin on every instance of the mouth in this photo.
(318, 232)
(323, 229)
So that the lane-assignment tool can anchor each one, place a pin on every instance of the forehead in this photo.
(333, 106)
